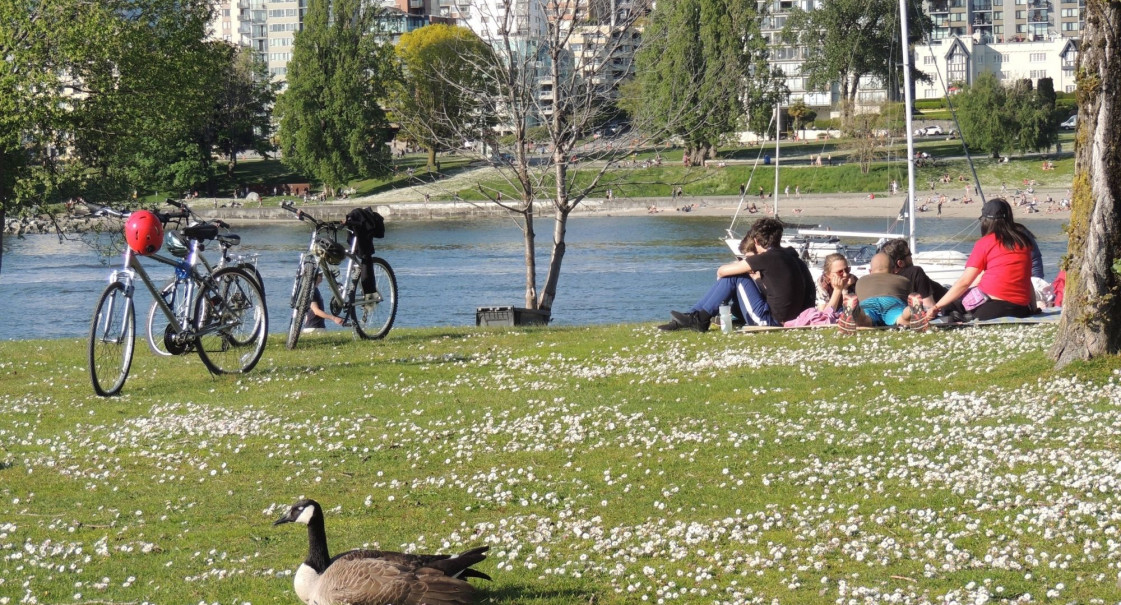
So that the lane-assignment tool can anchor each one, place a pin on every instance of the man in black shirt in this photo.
(784, 281)
(902, 264)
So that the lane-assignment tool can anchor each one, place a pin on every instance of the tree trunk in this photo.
(1091, 321)
(529, 237)
(3, 227)
(431, 157)
(552, 277)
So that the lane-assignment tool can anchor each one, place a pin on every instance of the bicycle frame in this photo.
(132, 268)
(348, 268)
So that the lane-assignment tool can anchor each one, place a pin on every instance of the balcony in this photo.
(983, 20)
(982, 5)
(939, 6)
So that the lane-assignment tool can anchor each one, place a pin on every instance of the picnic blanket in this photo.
(1048, 315)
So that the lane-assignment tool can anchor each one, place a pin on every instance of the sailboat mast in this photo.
(778, 136)
(908, 104)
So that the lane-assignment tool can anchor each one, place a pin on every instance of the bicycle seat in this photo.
(201, 231)
(230, 239)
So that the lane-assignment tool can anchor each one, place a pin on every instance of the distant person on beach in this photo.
(881, 296)
(1002, 259)
(784, 280)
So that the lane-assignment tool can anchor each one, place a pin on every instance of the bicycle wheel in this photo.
(161, 336)
(231, 322)
(112, 341)
(301, 300)
(373, 312)
(251, 269)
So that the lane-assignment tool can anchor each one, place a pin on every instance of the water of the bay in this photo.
(616, 269)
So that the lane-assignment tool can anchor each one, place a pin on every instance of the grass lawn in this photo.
(612, 464)
(659, 181)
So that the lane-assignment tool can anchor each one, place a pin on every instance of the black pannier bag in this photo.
(366, 225)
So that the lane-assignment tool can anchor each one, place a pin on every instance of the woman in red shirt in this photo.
(1002, 258)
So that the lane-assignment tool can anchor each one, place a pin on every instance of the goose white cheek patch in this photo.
(305, 516)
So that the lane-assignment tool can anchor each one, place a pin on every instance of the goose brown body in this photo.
(375, 577)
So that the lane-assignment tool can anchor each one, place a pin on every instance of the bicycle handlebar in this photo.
(300, 214)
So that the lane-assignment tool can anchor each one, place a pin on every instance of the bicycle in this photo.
(178, 293)
(366, 294)
(227, 323)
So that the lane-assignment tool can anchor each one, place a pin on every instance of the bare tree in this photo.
(1091, 322)
(551, 93)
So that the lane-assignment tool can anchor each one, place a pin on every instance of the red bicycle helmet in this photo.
(144, 232)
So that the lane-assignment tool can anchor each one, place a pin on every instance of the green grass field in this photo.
(652, 182)
(612, 464)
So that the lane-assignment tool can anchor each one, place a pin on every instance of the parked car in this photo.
(1070, 124)
(935, 130)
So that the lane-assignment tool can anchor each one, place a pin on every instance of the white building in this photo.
(961, 60)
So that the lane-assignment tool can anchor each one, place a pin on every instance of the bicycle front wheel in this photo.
(112, 341)
(301, 300)
(373, 311)
(231, 322)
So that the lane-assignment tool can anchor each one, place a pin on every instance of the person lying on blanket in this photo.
(881, 298)
(785, 287)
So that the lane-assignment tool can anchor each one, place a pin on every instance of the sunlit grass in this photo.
(609, 464)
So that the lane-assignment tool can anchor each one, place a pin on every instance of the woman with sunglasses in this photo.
(836, 279)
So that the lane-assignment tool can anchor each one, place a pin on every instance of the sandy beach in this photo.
(834, 205)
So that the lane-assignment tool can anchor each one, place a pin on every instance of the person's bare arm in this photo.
(740, 267)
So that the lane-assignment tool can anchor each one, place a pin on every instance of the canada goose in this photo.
(375, 577)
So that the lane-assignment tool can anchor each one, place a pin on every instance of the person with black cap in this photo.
(1003, 260)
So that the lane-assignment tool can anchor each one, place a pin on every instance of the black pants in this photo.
(992, 309)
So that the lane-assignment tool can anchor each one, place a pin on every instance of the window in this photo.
(1037, 57)
(1069, 88)
(1069, 12)
(927, 60)
(1071, 26)
(1021, 14)
(1036, 74)
(998, 16)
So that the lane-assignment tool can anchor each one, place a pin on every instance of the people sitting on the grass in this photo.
(902, 263)
(1002, 258)
(835, 282)
(881, 298)
(785, 285)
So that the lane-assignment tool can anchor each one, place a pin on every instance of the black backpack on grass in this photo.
(366, 226)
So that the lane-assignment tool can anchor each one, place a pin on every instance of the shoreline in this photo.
(821, 205)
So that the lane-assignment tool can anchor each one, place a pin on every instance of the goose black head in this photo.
(301, 512)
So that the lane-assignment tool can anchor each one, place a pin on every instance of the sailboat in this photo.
(943, 266)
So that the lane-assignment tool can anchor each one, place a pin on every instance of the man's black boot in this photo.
(696, 320)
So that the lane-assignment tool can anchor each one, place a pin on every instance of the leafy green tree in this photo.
(996, 118)
(332, 124)
(242, 119)
(985, 123)
(854, 42)
(443, 72)
(101, 98)
(701, 63)
(800, 115)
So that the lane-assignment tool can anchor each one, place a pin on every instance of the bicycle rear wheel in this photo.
(162, 339)
(301, 300)
(230, 321)
(112, 340)
(373, 312)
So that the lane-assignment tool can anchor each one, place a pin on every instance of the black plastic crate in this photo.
(509, 316)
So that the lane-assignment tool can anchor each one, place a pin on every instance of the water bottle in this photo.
(726, 319)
